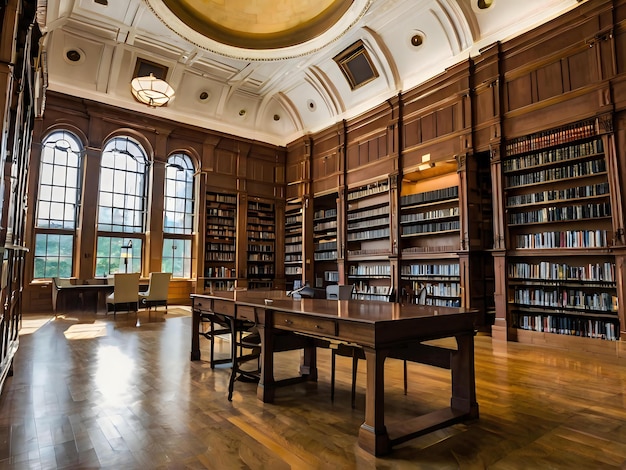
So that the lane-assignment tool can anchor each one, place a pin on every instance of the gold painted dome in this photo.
(259, 24)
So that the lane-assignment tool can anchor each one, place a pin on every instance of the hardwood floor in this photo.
(97, 392)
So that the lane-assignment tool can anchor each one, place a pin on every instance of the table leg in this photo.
(195, 335)
(267, 387)
(373, 436)
(463, 376)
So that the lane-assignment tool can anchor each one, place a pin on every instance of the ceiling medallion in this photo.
(255, 29)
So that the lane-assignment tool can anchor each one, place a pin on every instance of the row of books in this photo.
(555, 195)
(587, 328)
(223, 247)
(217, 212)
(214, 285)
(546, 270)
(430, 196)
(331, 276)
(553, 174)
(261, 248)
(293, 270)
(566, 213)
(260, 206)
(324, 214)
(293, 258)
(430, 215)
(368, 223)
(325, 246)
(325, 225)
(574, 299)
(584, 149)
(294, 248)
(260, 256)
(325, 256)
(262, 221)
(384, 210)
(443, 302)
(219, 231)
(227, 198)
(220, 256)
(370, 189)
(431, 227)
(256, 270)
(551, 138)
(219, 271)
(430, 270)
(370, 270)
(368, 235)
(293, 219)
(563, 239)
(261, 235)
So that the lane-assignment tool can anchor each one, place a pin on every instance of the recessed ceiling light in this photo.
(311, 105)
(484, 4)
(73, 55)
(242, 112)
(204, 96)
(417, 40)
(276, 117)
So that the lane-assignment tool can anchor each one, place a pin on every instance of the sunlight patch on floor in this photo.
(86, 331)
(32, 324)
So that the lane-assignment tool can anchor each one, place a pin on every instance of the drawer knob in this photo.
(288, 322)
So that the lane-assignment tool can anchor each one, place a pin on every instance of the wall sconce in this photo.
(151, 91)
(426, 163)
(127, 252)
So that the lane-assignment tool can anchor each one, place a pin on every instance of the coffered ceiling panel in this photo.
(269, 73)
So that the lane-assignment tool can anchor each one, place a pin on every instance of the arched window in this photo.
(178, 215)
(58, 200)
(121, 207)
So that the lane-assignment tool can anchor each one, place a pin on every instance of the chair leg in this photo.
(355, 365)
(233, 353)
(332, 375)
(405, 378)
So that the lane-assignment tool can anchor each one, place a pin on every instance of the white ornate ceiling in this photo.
(264, 69)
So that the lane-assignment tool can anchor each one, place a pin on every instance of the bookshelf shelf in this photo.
(220, 241)
(293, 243)
(560, 281)
(368, 246)
(261, 244)
(325, 248)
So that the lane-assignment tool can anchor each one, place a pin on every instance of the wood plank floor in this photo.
(97, 392)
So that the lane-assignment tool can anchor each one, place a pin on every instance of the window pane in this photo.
(178, 203)
(177, 257)
(53, 255)
(114, 255)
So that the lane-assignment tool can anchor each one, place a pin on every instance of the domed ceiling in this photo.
(259, 24)
(270, 70)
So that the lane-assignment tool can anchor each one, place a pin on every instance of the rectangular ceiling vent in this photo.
(143, 68)
(356, 65)
(102, 2)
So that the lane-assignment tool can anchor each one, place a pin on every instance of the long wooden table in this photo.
(382, 329)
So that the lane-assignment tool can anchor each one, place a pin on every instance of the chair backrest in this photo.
(345, 292)
(332, 292)
(158, 287)
(126, 287)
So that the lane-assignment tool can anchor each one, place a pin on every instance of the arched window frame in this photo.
(58, 204)
(178, 215)
(122, 206)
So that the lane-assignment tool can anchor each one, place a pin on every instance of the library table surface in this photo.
(382, 329)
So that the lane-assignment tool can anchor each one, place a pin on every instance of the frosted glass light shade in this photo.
(151, 91)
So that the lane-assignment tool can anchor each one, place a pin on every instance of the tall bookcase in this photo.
(430, 239)
(368, 241)
(220, 241)
(293, 244)
(561, 272)
(325, 240)
(261, 231)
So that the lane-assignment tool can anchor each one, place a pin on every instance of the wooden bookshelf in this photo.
(368, 241)
(430, 239)
(261, 244)
(325, 240)
(561, 271)
(220, 241)
(293, 243)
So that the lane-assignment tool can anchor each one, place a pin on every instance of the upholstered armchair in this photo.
(157, 291)
(125, 293)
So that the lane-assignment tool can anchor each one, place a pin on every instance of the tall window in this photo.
(178, 215)
(57, 204)
(121, 207)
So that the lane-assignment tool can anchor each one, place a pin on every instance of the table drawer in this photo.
(246, 313)
(304, 324)
(204, 305)
(224, 307)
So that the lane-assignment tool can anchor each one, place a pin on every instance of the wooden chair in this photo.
(125, 292)
(245, 347)
(157, 291)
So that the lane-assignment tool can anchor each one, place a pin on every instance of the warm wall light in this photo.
(151, 91)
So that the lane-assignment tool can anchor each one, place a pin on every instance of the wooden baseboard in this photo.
(575, 344)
